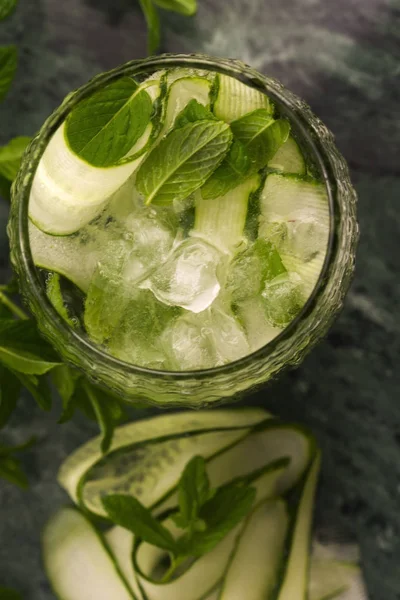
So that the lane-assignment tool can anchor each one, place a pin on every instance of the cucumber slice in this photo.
(283, 195)
(181, 92)
(67, 193)
(254, 566)
(295, 218)
(69, 256)
(289, 159)
(197, 582)
(222, 220)
(76, 468)
(121, 542)
(235, 99)
(78, 563)
(294, 577)
(268, 444)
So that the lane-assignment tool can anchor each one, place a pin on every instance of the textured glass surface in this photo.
(290, 347)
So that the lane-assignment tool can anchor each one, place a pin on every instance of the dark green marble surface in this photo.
(343, 57)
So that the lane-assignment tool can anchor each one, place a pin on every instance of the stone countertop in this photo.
(343, 58)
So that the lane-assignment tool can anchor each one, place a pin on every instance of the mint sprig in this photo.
(8, 67)
(7, 7)
(149, 8)
(183, 161)
(10, 467)
(103, 128)
(205, 515)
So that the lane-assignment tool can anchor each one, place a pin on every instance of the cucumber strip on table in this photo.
(293, 580)
(78, 464)
(289, 159)
(235, 99)
(222, 220)
(197, 581)
(67, 192)
(121, 543)
(78, 563)
(253, 569)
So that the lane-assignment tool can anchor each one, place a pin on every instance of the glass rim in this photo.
(287, 103)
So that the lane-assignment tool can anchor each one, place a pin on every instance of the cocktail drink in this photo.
(183, 229)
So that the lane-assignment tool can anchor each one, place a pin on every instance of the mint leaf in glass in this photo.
(9, 393)
(10, 157)
(193, 111)
(153, 25)
(22, 349)
(128, 512)
(184, 7)
(261, 135)
(8, 67)
(183, 161)
(229, 174)
(104, 127)
(6, 8)
(54, 293)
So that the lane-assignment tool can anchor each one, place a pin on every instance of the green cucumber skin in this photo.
(106, 548)
(294, 507)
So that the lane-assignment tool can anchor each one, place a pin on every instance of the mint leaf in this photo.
(231, 172)
(222, 513)
(11, 470)
(8, 67)
(10, 157)
(6, 8)
(261, 135)
(153, 25)
(193, 492)
(104, 127)
(66, 380)
(9, 394)
(22, 349)
(184, 7)
(38, 387)
(193, 111)
(183, 161)
(128, 512)
(9, 594)
(108, 412)
(53, 290)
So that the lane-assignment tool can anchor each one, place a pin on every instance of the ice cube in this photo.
(251, 268)
(301, 235)
(136, 339)
(190, 276)
(283, 298)
(204, 340)
(259, 331)
(227, 335)
(187, 344)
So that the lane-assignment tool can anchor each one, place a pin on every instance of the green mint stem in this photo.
(18, 312)
(176, 562)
